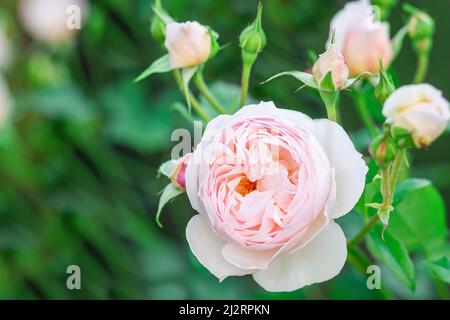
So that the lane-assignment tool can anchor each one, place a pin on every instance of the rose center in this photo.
(245, 186)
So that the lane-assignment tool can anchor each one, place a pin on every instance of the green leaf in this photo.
(392, 253)
(168, 194)
(161, 65)
(397, 41)
(440, 267)
(304, 77)
(419, 220)
(327, 84)
(352, 81)
(407, 186)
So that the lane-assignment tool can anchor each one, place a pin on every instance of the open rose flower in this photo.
(188, 43)
(268, 184)
(360, 38)
(420, 109)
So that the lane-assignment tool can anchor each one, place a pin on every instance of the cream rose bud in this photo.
(331, 61)
(421, 109)
(360, 38)
(188, 43)
(268, 184)
(47, 20)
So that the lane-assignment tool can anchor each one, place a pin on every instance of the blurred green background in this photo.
(79, 158)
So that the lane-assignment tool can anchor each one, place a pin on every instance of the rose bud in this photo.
(421, 109)
(178, 175)
(385, 86)
(361, 39)
(383, 150)
(421, 29)
(188, 43)
(331, 61)
(47, 20)
(253, 39)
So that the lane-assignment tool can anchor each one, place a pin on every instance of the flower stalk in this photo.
(206, 92)
(193, 101)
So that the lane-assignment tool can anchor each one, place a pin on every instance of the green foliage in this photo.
(393, 254)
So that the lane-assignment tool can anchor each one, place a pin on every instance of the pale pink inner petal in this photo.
(266, 182)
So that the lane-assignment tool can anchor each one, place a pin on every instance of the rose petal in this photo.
(206, 246)
(321, 260)
(350, 168)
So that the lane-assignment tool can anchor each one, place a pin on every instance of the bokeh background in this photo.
(79, 154)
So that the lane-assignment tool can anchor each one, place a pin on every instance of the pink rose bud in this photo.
(361, 39)
(188, 43)
(331, 61)
(178, 176)
(421, 109)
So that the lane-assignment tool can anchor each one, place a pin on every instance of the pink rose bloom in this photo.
(268, 184)
(360, 38)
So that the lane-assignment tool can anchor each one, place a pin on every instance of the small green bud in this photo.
(385, 86)
(253, 39)
(158, 29)
(385, 7)
(383, 149)
(158, 22)
(421, 29)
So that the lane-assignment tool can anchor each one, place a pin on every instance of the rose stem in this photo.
(422, 68)
(364, 113)
(194, 103)
(203, 88)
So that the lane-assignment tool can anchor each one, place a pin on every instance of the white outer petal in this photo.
(320, 260)
(350, 168)
(206, 246)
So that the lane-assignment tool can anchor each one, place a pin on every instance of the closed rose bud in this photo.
(385, 86)
(383, 150)
(178, 176)
(47, 20)
(253, 39)
(420, 26)
(361, 39)
(188, 43)
(421, 30)
(331, 61)
(421, 109)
